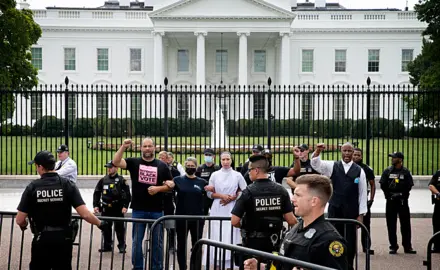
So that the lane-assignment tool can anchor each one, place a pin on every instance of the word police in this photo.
(267, 204)
(51, 195)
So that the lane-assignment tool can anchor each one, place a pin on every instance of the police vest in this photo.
(397, 182)
(296, 244)
(266, 214)
(306, 168)
(205, 171)
(438, 181)
(346, 189)
(112, 192)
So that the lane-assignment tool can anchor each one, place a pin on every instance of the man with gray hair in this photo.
(349, 199)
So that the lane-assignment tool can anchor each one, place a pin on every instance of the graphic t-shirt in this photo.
(143, 175)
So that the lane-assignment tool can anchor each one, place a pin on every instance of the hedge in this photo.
(424, 132)
(48, 126)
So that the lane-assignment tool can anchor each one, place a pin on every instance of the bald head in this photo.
(347, 152)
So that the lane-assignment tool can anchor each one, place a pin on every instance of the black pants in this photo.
(367, 223)
(436, 223)
(51, 251)
(207, 204)
(401, 208)
(348, 231)
(119, 227)
(168, 210)
(182, 228)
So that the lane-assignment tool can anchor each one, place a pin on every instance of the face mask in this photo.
(190, 171)
(209, 159)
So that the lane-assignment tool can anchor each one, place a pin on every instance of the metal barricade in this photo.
(194, 262)
(428, 261)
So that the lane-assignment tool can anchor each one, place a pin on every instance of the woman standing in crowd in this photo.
(190, 200)
(223, 188)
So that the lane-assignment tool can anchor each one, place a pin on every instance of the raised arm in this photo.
(118, 161)
(324, 167)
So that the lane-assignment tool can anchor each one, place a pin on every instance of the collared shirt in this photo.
(67, 169)
(325, 167)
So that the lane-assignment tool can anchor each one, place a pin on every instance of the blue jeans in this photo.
(137, 258)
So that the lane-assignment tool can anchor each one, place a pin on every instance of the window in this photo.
(373, 60)
(69, 59)
(102, 59)
(182, 61)
(307, 106)
(307, 60)
(37, 58)
(221, 61)
(72, 106)
(259, 105)
(135, 59)
(338, 106)
(102, 105)
(406, 114)
(36, 106)
(259, 61)
(182, 106)
(407, 56)
(374, 106)
(340, 60)
(136, 107)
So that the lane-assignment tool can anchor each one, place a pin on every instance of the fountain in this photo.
(219, 139)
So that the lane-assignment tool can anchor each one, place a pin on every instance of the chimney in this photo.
(124, 3)
(320, 4)
(24, 5)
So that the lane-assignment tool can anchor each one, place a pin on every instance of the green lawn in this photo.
(421, 155)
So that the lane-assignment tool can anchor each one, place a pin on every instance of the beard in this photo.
(147, 155)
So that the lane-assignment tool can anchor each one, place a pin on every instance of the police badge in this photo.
(309, 234)
(336, 249)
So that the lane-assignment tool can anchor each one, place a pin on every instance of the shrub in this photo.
(48, 126)
(395, 129)
(120, 128)
(83, 127)
(424, 132)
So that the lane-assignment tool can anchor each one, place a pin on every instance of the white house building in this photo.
(206, 42)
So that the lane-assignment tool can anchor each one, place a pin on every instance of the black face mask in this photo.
(190, 171)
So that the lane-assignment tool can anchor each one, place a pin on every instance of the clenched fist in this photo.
(127, 143)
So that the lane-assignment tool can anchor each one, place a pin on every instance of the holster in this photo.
(74, 227)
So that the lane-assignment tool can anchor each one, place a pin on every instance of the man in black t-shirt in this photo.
(205, 171)
(434, 187)
(150, 179)
(48, 202)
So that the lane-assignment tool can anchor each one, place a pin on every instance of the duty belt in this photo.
(53, 229)
(255, 234)
(110, 204)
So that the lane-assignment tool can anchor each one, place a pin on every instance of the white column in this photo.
(200, 78)
(158, 57)
(285, 58)
(242, 59)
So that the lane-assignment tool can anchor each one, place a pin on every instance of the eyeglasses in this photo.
(250, 169)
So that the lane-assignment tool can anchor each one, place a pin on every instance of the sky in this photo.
(400, 4)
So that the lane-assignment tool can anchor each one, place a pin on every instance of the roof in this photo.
(333, 6)
(112, 5)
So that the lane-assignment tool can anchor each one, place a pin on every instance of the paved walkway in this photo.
(420, 201)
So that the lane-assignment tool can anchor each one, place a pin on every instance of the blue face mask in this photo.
(209, 159)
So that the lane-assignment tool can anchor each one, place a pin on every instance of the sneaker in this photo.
(393, 251)
(122, 248)
(410, 251)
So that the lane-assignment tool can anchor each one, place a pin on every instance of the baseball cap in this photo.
(257, 147)
(256, 158)
(209, 151)
(396, 155)
(304, 147)
(62, 148)
(45, 159)
(109, 164)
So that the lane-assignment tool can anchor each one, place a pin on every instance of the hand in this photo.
(225, 199)
(320, 147)
(170, 184)
(370, 203)
(360, 218)
(153, 190)
(124, 210)
(127, 143)
(210, 188)
(96, 210)
(250, 264)
(24, 228)
(296, 152)
(104, 225)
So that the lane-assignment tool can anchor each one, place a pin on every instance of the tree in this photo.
(424, 70)
(18, 32)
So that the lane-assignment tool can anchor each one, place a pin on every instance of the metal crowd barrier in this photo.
(428, 261)
(194, 264)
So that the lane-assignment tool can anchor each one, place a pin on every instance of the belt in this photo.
(255, 234)
(53, 229)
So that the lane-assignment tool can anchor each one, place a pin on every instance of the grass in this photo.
(421, 155)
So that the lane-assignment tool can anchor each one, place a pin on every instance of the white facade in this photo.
(262, 39)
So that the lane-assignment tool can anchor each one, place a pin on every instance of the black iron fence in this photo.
(94, 119)
(428, 262)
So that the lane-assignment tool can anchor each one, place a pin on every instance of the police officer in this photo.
(434, 187)
(349, 198)
(371, 184)
(66, 167)
(313, 239)
(204, 171)
(256, 150)
(47, 203)
(260, 209)
(112, 198)
(396, 183)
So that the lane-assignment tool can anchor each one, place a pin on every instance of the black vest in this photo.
(397, 182)
(265, 214)
(112, 191)
(346, 189)
(306, 168)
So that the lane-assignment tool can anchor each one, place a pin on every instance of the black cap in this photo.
(257, 147)
(304, 147)
(62, 148)
(256, 158)
(45, 159)
(209, 151)
(396, 155)
(109, 164)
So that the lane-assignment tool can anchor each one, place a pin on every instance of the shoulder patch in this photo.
(336, 249)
